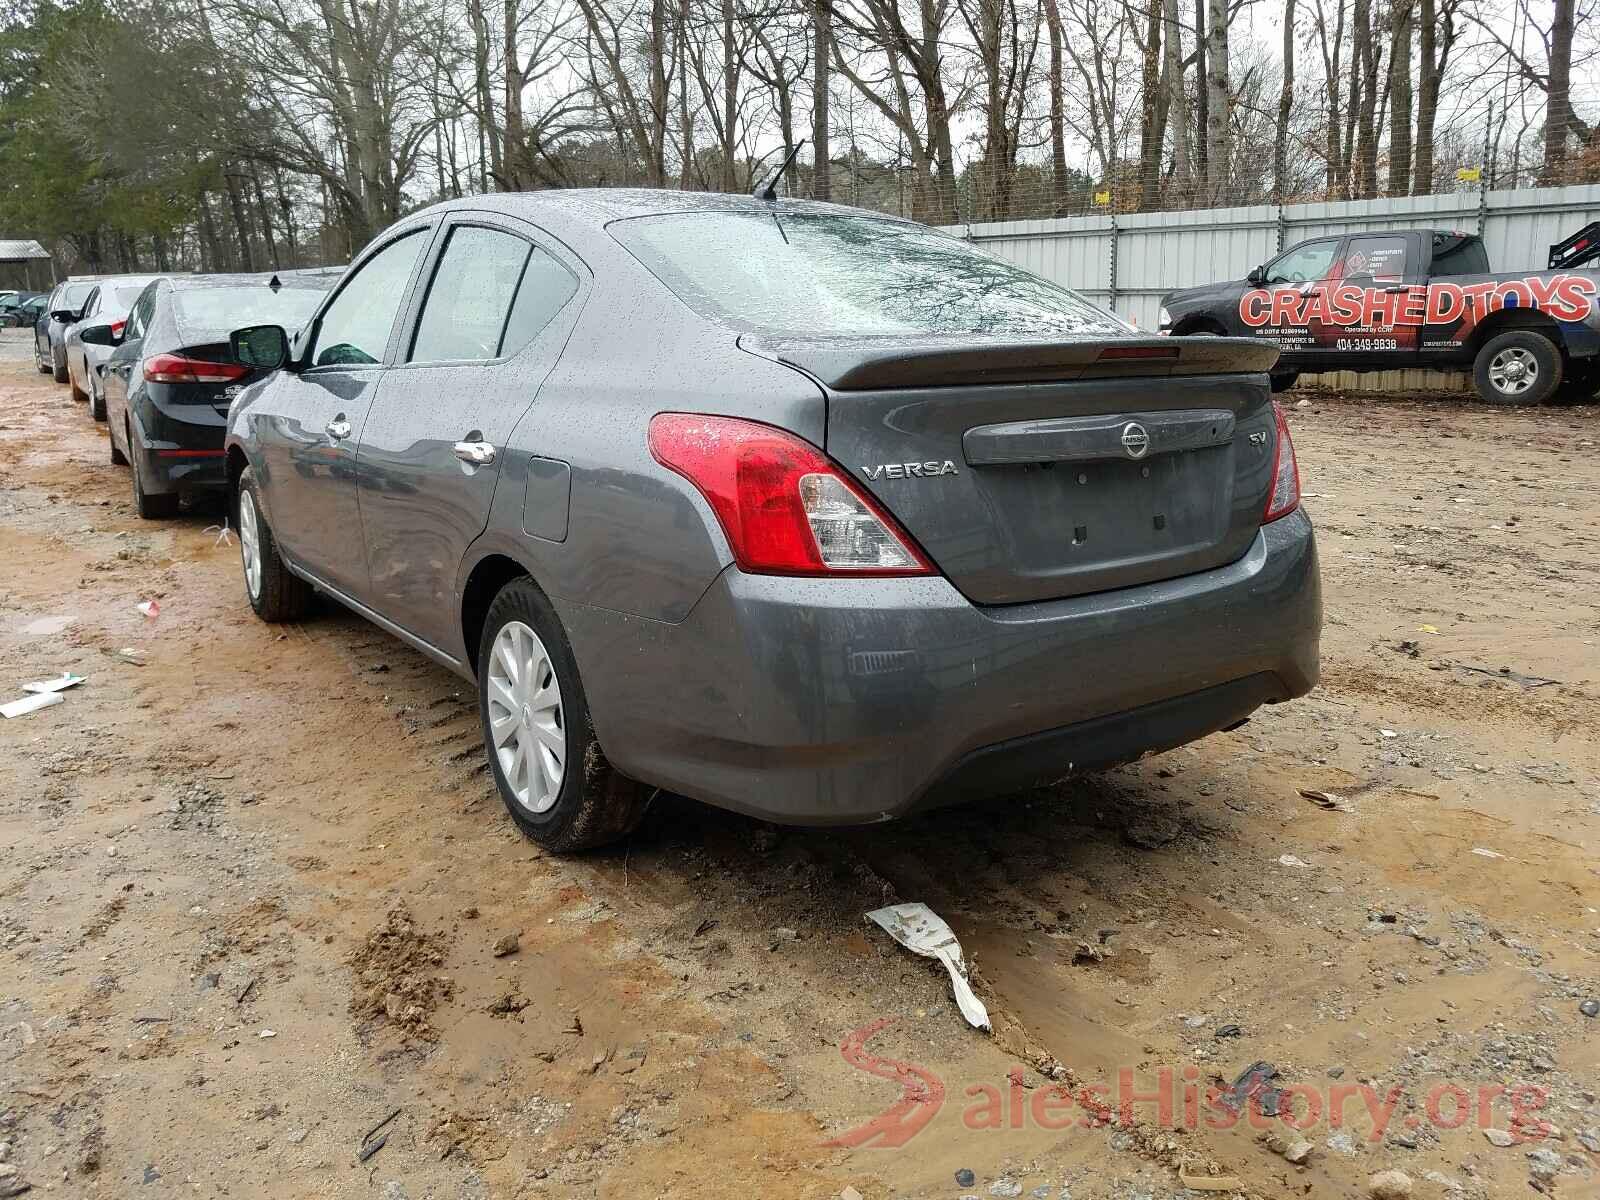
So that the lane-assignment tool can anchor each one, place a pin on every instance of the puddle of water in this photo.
(40, 626)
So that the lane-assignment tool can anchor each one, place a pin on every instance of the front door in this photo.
(489, 329)
(1285, 309)
(310, 423)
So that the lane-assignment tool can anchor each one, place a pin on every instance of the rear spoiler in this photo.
(1582, 247)
(878, 363)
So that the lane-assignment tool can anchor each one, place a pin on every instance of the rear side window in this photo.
(544, 291)
(491, 294)
(1459, 256)
(1375, 257)
(139, 318)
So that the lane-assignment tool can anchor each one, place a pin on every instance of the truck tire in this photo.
(1283, 381)
(1520, 366)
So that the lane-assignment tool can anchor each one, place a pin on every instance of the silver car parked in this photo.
(805, 511)
(108, 305)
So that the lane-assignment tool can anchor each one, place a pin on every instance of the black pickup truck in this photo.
(1398, 298)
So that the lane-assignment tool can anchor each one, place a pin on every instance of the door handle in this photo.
(479, 454)
(1397, 289)
(338, 428)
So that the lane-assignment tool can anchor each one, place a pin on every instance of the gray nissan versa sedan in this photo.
(800, 510)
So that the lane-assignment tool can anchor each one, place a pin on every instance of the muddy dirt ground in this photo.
(254, 878)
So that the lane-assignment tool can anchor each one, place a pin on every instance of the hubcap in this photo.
(1513, 371)
(526, 722)
(250, 544)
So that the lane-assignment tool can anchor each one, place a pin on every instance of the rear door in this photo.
(309, 424)
(489, 327)
(1382, 300)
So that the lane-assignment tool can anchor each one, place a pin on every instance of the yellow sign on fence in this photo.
(1103, 199)
(1469, 174)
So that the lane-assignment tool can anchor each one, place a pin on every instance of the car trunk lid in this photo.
(1042, 470)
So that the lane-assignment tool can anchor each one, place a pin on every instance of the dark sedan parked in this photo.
(801, 510)
(60, 311)
(170, 377)
(22, 309)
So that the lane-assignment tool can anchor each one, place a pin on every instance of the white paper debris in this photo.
(67, 679)
(1289, 860)
(150, 608)
(922, 931)
(28, 704)
(1485, 852)
(267, 1033)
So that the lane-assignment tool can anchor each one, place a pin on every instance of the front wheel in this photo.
(1282, 381)
(544, 756)
(59, 369)
(1520, 366)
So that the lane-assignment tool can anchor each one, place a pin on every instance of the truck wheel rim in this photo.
(526, 720)
(250, 544)
(1513, 371)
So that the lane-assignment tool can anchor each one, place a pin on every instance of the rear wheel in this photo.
(1520, 366)
(544, 756)
(38, 359)
(97, 402)
(152, 506)
(78, 393)
(276, 593)
(59, 369)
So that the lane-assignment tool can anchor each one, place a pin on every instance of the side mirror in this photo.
(65, 315)
(98, 335)
(263, 347)
(1257, 276)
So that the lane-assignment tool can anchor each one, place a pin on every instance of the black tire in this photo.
(78, 394)
(1534, 352)
(97, 402)
(279, 595)
(595, 804)
(59, 370)
(38, 360)
(118, 458)
(152, 506)
(1284, 381)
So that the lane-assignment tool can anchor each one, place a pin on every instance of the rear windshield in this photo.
(789, 273)
(224, 309)
(127, 295)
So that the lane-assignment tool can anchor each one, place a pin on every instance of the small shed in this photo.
(26, 266)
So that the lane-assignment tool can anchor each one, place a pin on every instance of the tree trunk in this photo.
(1177, 102)
(1280, 137)
(514, 155)
(1202, 101)
(1218, 157)
(1401, 18)
(1367, 59)
(1558, 107)
(264, 215)
(730, 102)
(1058, 123)
(1150, 114)
(241, 221)
(821, 157)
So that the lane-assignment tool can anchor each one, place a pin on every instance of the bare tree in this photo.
(1280, 138)
(1402, 16)
(1218, 153)
(1177, 101)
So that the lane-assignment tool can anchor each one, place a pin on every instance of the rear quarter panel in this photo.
(638, 538)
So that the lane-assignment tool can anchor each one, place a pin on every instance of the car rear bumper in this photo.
(814, 701)
(180, 447)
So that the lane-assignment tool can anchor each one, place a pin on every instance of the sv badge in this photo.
(914, 470)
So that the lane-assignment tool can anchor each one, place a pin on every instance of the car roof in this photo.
(603, 205)
(320, 280)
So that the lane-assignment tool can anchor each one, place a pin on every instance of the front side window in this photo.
(354, 331)
(464, 316)
(1303, 263)
(810, 273)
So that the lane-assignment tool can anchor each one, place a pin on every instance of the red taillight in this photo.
(1285, 496)
(117, 327)
(785, 507)
(174, 368)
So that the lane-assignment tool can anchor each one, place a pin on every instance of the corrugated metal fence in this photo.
(1128, 261)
